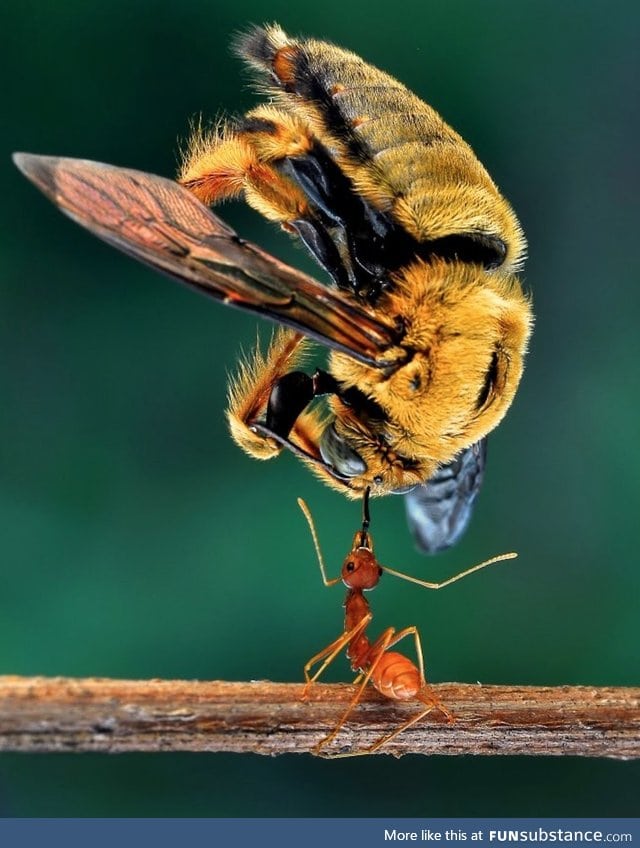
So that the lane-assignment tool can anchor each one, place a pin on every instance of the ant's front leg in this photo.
(376, 654)
(426, 695)
(328, 654)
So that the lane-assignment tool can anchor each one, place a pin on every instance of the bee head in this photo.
(467, 329)
(466, 334)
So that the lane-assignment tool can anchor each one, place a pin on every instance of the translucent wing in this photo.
(439, 510)
(162, 224)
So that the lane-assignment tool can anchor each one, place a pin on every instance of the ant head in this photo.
(360, 569)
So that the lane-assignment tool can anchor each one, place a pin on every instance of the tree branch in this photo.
(39, 714)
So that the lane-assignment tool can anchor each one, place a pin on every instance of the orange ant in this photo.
(391, 673)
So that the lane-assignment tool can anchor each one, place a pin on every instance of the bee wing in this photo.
(162, 224)
(439, 510)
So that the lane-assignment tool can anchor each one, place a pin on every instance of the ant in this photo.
(394, 675)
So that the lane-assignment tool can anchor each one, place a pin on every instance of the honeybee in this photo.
(425, 317)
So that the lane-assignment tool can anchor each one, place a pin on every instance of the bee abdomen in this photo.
(396, 151)
(351, 95)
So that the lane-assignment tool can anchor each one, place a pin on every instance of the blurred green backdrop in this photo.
(136, 541)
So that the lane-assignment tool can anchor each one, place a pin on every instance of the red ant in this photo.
(391, 673)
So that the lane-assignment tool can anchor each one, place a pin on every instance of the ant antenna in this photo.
(366, 518)
(307, 514)
(453, 579)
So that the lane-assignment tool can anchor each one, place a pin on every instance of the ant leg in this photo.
(413, 631)
(425, 696)
(383, 741)
(379, 648)
(431, 704)
(329, 653)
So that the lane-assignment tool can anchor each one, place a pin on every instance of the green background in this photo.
(137, 541)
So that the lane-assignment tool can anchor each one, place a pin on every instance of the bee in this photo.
(424, 315)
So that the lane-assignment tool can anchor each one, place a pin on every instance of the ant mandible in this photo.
(394, 675)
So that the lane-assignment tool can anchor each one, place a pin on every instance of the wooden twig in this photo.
(92, 714)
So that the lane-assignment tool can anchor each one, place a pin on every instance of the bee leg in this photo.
(251, 387)
(291, 394)
(371, 243)
(271, 157)
(332, 197)
(313, 437)
(229, 161)
(259, 396)
(246, 158)
(278, 139)
(324, 249)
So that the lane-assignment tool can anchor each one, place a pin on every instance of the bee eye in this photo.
(335, 451)
(490, 380)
